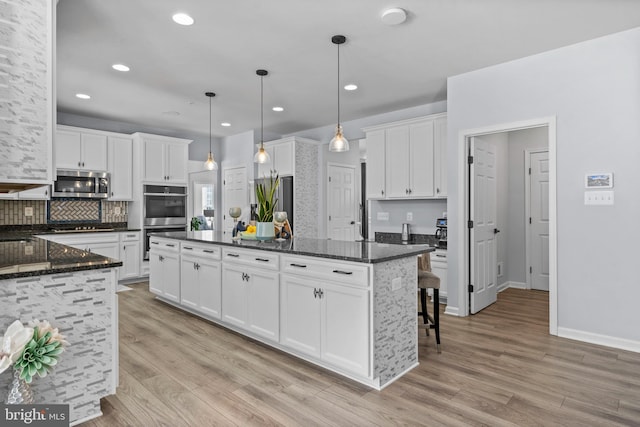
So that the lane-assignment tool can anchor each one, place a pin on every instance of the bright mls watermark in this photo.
(34, 415)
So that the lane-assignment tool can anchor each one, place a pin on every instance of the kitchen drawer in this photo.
(261, 259)
(166, 245)
(335, 271)
(199, 250)
(130, 236)
(439, 255)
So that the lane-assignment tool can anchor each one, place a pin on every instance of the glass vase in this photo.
(20, 392)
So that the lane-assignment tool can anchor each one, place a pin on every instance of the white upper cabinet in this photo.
(282, 153)
(407, 159)
(440, 152)
(164, 159)
(376, 164)
(120, 163)
(80, 149)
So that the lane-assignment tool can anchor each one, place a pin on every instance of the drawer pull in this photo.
(233, 255)
(131, 235)
(208, 251)
(155, 243)
(188, 248)
(262, 259)
(343, 272)
(441, 256)
(298, 265)
(171, 245)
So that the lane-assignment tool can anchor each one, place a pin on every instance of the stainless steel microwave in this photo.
(81, 184)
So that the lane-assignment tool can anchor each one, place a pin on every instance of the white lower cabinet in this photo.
(200, 279)
(164, 275)
(130, 255)
(326, 320)
(439, 268)
(250, 299)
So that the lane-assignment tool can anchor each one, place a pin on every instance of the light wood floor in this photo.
(499, 367)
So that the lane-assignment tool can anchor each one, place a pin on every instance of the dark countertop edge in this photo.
(112, 264)
(315, 255)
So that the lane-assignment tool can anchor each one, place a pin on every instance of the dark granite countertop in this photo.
(22, 255)
(365, 252)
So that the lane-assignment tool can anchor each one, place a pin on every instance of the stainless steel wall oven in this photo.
(164, 209)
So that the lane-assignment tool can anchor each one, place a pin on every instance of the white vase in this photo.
(19, 391)
(265, 231)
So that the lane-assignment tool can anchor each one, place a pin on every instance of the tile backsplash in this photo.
(12, 211)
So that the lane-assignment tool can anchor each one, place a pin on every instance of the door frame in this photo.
(463, 208)
(356, 193)
(527, 208)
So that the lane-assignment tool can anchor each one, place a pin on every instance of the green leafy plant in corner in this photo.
(195, 224)
(265, 195)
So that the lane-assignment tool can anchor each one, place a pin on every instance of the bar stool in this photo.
(428, 280)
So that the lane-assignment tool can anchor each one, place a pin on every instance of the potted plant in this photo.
(265, 196)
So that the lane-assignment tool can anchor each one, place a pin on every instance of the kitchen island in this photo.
(349, 307)
(75, 291)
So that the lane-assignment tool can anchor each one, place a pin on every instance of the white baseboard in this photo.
(452, 311)
(606, 340)
(511, 284)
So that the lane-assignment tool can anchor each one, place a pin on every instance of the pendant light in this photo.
(262, 156)
(210, 164)
(339, 143)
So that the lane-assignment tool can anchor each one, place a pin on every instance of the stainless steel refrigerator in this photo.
(284, 196)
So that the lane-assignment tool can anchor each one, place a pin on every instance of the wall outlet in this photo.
(28, 250)
(409, 216)
(598, 197)
(117, 210)
(28, 211)
(500, 268)
(383, 216)
(396, 283)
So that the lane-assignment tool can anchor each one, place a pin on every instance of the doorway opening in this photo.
(508, 236)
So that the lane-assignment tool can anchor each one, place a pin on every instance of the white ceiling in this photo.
(395, 67)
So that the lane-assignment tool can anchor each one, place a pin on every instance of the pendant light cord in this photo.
(338, 85)
(209, 125)
(261, 111)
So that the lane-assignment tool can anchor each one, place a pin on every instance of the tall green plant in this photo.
(265, 195)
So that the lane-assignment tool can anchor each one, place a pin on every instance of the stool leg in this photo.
(424, 312)
(436, 316)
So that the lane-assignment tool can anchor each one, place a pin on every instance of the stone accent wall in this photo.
(74, 210)
(24, 90)
(12, 212)
(82, 306)
(114, 211)
(395, 328)
(305, 187)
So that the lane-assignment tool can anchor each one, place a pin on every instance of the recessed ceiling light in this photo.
(278, 109)
(120, 67)
(82, 96)
(182, 19)
(225, 124)
(351, 86)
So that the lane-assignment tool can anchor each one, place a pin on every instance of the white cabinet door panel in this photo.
(397, 151)
(263, 301)
(67, 150)
(376, 165)
(172, 276)
(421, 159)
(177, 163)
(300, 315)
(154, 161)
(94, 152)
(234, 295)
(189, 282)
(209, 287)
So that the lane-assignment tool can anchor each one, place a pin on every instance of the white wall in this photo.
(592, 89)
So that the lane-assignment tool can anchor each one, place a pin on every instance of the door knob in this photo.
(352, 222)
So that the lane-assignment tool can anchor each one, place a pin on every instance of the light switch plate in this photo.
(598, 197)
(28, 211)
(396, 283)
(117, 210)
(383, 216)
(409, 216)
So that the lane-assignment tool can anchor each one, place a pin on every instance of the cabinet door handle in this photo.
(160, 258)
(410, 191)
(187, 248)
(298, 265)
(438, 190)
(315, 293)
(208, 251)
(321, 293)
(382, 191)
(124, 248)
(406, 191)
(262, 259)
(233, 255)
(46, 192)
(343, 272)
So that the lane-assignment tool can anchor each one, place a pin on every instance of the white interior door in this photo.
(341, 206)
(483, 205)
(539, 216)
(235, 194)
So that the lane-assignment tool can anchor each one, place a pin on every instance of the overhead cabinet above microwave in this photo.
(79, 150)
(164, 159)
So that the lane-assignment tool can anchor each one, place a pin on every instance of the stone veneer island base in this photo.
(76, 292)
